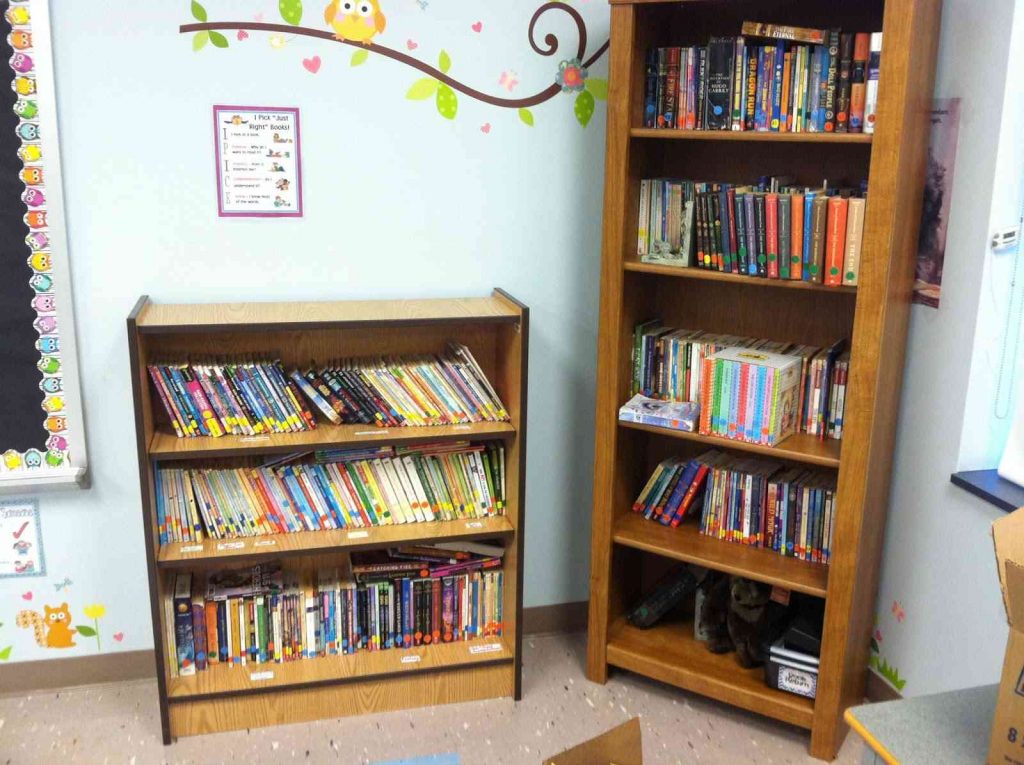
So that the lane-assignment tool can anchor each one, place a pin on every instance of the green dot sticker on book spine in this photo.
(850, 276)
(796, 258)
(813, 268)
(833, 271)
(771, 257)
(760, 259)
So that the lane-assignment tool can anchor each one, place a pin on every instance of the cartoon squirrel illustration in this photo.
(52, 630)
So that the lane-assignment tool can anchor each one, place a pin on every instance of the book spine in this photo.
(786, 105)
(831, 81)
(739, 222)
(807, 254)
(871, 90)
(651, 89)
(771, 217)
(753, 253)
(778, 61)
(750, 89)
(761, 234)
(670, 114)
(643, 217)
(739, 72)
(691, 88)
(844, 85)
(702, 87)
(660, 90)
(836, 241)
(729, 210)
(818, 237)
(720, 69)
(854, 237)
(858, 76)
(796, 245)
(785, 233)
(781, 32)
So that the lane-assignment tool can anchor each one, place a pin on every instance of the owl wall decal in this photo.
(355, 20)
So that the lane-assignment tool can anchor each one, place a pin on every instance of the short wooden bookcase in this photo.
(874, 315)
(220, 698)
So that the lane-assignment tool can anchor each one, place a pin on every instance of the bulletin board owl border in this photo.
(47, 270)
(358, 24)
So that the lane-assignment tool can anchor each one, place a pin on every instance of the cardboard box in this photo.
(619, 746)
(1006, 746)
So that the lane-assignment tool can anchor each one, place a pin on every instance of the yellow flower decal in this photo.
(95, 611)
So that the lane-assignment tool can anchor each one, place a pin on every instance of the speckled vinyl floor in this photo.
(560, 708)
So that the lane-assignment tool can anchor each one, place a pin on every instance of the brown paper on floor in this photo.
(619, 746)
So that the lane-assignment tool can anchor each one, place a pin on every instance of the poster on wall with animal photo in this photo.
(21, 542)
(259, 162)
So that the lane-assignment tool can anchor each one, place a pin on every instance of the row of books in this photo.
(748, 389)
(333, 490)
(250, 397)
(266, 615)
(823, 81)
(770, 229)
(746, 500)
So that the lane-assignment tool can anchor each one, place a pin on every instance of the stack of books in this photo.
(257, 396)
(333, 490)
(770, 229)
(794, 80)
(407, 597)
(736, 394)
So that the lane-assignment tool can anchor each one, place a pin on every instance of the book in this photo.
(184, 644)
(843, 88)
(781, 32)
(871, 87)
(858, 77)
(831, 81)
(835, 240)
(818, 220)
(854, 237)
(664, 414)
(775, 415)
(651, 89)
(720, 72)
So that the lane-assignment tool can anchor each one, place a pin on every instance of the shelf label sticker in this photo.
(258, 676)
(461, 427)
(231, 545)
(377, 432)
(796, 681)
(250, 439)
(413, 659)
(265, 543)
(474, 524)
(358, 534)
(190, 548)
(489, 648)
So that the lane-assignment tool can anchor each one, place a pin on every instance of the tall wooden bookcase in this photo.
(874, 315)
(496, 330)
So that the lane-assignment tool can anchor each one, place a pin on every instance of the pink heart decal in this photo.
(312, 65)
(485, 128)
(26, 595)
(118, 636)
(478, 26)
(243, 35)
(411, 44)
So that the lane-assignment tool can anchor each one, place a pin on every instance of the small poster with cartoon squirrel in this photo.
(21, 545)
(259, 168)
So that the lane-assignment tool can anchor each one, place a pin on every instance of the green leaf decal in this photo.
(6, 653)
(444, 62)
(422, 89)
(199, 40)
(291, 11)
(447, 102)
(599, 88)
(359, 57)
(198, 12)
(219, 40)
(526, 116)
(85, 630)
(584, 107)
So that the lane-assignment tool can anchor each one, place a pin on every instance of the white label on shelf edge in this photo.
(248, 439)
(257, 676)
(474, 524)
(358, 534)
(489, 648)
(265, 543)
(413, 659)
(372, 432)
(460, 427)
(190, 548)
(231, 545)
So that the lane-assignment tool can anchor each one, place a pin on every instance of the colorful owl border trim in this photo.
(37, 241)
(357, 23)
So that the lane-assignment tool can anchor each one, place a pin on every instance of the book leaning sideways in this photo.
(663, 414)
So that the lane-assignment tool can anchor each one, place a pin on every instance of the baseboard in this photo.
(876, 689)
(28, 676)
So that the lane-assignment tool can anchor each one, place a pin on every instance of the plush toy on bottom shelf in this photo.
(735, 614)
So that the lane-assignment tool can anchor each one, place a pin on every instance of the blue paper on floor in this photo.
(435, 759)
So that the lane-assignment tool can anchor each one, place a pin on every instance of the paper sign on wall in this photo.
(21, 544)
(259, 162)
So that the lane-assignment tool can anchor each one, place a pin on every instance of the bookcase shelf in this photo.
(219, 698)
(717, 276)
(686, 543)
(798, 447)
(628, 553)
(166, 446)
(276, 546)
(748, 136)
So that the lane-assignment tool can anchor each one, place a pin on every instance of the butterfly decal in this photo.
(63, 585)
(508, 81)
(898, 611)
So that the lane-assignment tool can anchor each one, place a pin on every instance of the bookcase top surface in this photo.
(171, 317)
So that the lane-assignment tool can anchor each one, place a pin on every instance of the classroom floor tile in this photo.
(120, 724)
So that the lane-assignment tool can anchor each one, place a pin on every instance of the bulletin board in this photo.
(42, 441)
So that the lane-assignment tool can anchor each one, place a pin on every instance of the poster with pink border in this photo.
(259, 161)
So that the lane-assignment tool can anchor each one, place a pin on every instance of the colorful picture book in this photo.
(770, 229)
(740, 396)
(250, 397)
(266, 615)
(772, 78)
(664, 414)
(745, 500)
(332, 490)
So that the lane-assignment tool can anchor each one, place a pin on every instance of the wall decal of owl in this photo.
(355, 20)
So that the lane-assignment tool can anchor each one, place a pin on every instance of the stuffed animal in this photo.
(750, 619)
(712, 619)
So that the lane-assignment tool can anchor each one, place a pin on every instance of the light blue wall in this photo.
(399, 203)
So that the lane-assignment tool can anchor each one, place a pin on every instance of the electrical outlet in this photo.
(1005, 238)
